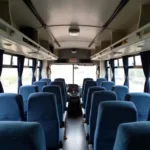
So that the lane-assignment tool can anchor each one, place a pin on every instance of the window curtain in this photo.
(1, 67)
(145, 58)
(33, 70)
(106, 70)
(111, 62)
(126, 70)
(40, 70)
(20, 66)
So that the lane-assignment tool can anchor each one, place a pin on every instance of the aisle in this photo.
(75, 134)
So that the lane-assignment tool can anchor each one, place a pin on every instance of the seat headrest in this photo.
(133, 136)
(120, 91)
(55, 89)
(94, 88)
(60, 83)
(25, 91)
(109, 95)
(11, 107)
(21, 136)
(40, 85)
(135, 96)
(117, 111)
(108, 85)
(48, 81)
(142, 103)
(100, 80)
(44, 100)
(90, 82)
(60, 79)
(110, 116)
(51, 88)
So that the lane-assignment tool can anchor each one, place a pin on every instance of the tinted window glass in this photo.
(14, 61)
(9, 80)
(120, 62)
(119, 76)
(81, 72)
(131, 61)
(6, 59)
(136, 80)
(138, 61)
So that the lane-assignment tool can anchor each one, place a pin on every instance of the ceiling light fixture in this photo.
(74, 31)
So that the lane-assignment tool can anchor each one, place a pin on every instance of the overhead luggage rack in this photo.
(133, 43)
(13, 41)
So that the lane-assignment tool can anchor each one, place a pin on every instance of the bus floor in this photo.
(75, 132)
(76, 138)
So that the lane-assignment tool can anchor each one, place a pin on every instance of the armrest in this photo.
(64, 116)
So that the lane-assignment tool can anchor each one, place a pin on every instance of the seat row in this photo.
(44, 107)
(30, 136)
(104, 112)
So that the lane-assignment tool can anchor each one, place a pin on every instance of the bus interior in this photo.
(75, 74)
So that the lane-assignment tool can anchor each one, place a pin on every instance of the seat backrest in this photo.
(133, 136)
(108, 85)
(63, 91)
(25, 92)
(55, 89)
(89, 99)
(100, 80)
(21, 136)
(42, 108)
(142, 103)
(110, 116)
(11, 107)
(83, 85)
(88, 84)
(48, 81)
(40, 85)
(120, 91)
(97, 98)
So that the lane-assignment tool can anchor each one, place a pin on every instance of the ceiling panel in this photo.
(21, 15)
(44, 35)
(85, 37)
(93, 12)
(129, 16)
(78, 12)
(105, 36)
(75, 44)
(62, 33)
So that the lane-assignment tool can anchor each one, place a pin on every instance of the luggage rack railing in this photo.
(7, 28)
(139, 33)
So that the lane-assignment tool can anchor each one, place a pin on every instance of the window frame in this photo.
(28, 66)
(11, 61)
(134, 60)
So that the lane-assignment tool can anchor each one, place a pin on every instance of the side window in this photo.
(136, 76)
(119, 76)
(109, 74)
(38, 71)
(9, 75)
(119, 72)
(27, 72)
(9, 80)
(136, 80)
